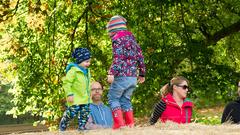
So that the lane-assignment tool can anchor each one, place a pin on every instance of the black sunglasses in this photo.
(183, 86)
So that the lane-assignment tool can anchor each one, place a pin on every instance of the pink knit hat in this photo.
(116, 23)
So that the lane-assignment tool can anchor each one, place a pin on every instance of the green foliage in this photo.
(208, 120)
(196, 39)
(5, 98)
(208, 115)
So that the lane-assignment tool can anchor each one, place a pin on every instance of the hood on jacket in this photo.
(169, 100)
(70, 65)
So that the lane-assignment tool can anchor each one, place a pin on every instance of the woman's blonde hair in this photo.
(168, 88)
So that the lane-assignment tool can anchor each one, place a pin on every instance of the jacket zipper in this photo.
(177, 106)
(87, 82)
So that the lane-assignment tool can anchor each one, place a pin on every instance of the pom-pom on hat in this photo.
(116, 23)
(81, 54)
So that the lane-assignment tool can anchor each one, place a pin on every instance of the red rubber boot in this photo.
(118, 121)
(129, 119)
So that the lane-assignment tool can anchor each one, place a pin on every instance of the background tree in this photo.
(197, 39)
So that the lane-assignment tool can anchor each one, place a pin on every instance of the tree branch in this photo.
(224, 32)
(6, 13)
(16, 7)
(203, 29)
(75, 28)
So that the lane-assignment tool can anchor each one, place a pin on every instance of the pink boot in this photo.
(129, 120)
(117, 119)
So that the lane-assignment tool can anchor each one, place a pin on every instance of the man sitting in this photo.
(100, 114)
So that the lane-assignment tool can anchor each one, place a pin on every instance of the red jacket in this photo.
(175, 113)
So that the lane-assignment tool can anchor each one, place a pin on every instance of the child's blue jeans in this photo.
(82, 111)
(119, 95)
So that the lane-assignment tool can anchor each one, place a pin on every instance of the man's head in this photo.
(96, 91)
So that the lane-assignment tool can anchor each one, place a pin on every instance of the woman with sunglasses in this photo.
(174, 106)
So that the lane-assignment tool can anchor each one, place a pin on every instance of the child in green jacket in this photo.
(76, 84)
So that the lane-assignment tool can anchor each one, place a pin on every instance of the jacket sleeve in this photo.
(91, 124)
(141, 65)
(157, 112)
(116, 51)
(68, 82)
(226, 116)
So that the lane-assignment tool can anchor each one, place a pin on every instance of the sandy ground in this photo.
(158, 129)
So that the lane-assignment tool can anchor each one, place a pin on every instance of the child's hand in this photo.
(141, 79)
(70, 99)
(110, 78)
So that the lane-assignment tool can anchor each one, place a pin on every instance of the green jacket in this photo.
(77, 84)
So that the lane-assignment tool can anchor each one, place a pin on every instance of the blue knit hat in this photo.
(81, 54)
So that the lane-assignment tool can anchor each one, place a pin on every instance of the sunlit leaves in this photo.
(36, 46)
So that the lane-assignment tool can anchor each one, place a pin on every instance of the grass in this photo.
(208, 116)
(205, 121)
(168, 128)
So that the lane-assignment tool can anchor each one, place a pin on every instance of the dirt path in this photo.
(140, 129)
(21, 128)
(158, 129)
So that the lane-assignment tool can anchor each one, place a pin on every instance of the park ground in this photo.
(169, 128)
(158, 129)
